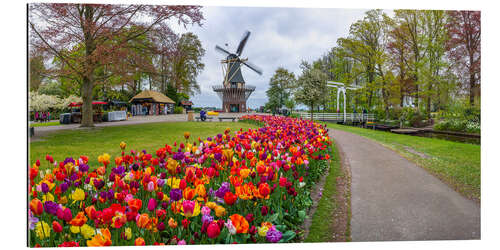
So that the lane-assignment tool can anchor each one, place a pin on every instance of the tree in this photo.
(410, 22)
(42, 102)
(51, 88)
(364, 45)
(102, 32)
(434, 49)
(311, 87)
(280, 88)
(464, 47)
(36, 71)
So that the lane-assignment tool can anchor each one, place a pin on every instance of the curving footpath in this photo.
(393, 199)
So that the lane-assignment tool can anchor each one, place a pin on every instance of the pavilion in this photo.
(150, 102)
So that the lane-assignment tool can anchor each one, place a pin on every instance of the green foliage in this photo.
(281, 85)
(36, 72)
(178, 110)
(311, 86)
(51, 88)
(460, 116)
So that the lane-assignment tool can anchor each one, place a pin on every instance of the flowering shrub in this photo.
(246, 187)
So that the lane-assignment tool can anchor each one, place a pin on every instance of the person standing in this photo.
(36, 116)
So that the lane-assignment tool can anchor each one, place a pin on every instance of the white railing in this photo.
(349, 117)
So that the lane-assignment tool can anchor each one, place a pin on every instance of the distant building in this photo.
(187, 105)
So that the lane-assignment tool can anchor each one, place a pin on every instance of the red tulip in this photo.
(230, 198)
(213, 230)
(57, 227)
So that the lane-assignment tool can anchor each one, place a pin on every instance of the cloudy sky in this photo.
(280, 37)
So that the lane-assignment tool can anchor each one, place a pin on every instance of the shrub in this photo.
(178, 110)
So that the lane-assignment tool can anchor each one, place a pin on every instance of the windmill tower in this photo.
(233, 92)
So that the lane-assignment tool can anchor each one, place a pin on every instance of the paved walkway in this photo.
(393, 199)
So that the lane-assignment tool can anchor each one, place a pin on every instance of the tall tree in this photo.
(464, 47)
(311, 87)
(186, 63)
(280, 88)
(364, 45)
(411, 33)
(36, 71)
(434, 50)
(102, 31)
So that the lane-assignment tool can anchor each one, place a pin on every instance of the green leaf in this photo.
(288, 236)
(302, 214)
(281, 228)
(273, 217)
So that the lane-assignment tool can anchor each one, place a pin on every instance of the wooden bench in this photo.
(207, 118)
(227, 118)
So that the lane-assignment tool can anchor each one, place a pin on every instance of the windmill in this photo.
(234, 92)
(341, 88)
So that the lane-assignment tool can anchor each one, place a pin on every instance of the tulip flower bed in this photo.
(243, 187)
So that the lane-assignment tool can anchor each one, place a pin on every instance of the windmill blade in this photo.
(243, 42)
(253, 67)
(221, 50)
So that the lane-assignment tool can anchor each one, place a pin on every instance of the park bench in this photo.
(227, 118)
(207, 118)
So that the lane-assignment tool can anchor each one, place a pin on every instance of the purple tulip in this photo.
(45, 188)
(175, 194)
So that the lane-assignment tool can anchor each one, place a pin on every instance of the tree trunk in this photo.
(87, 117)
(428, 108)
(88, 78)
(471, 89)
(312, 110)
(472, 80)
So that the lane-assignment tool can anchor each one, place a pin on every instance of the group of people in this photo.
(42, 116)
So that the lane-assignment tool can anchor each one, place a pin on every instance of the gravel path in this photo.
(393, 199)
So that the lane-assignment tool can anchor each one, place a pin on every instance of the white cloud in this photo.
(281, 37)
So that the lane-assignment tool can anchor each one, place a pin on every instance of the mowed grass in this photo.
(44, 124)
(457, 164)
(321, 229)
(150, 137)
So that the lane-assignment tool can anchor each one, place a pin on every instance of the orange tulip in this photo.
(140, 242)
(79, 220)
(36, 206)
(143, 220)
(189, 193)
(99, 240)
(240, 223)
(135, 204)
(201, 191)
(91, 212)
(172, 223)
(101, 170)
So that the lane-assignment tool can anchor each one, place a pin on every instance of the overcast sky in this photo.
(280, 37)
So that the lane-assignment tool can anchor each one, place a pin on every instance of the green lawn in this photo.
(319, 231)
(96, 141)
(44, 124)
(457, 164)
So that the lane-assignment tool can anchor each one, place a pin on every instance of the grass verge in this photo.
(323, 228)
(96, 141)
(44, 124)
(456, 164)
